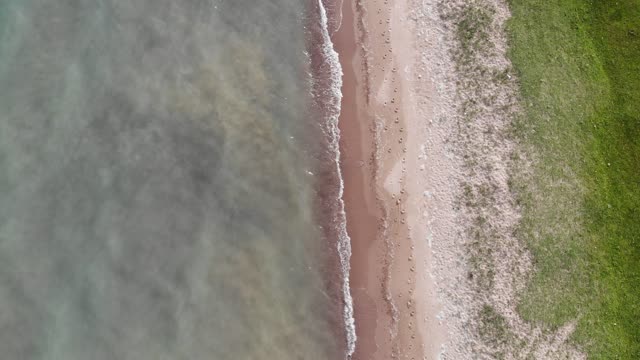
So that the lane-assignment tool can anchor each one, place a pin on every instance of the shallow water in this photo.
(157, 196)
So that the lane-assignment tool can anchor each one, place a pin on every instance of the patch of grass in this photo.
(579, 67)
(472, 31)
(493, 326)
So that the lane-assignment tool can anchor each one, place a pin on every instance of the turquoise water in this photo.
(158, 187)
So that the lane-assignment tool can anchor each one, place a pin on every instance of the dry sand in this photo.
(407, 141)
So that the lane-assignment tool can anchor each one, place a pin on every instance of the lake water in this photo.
(169, 186)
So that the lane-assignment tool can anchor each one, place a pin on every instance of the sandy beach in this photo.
(389, 140)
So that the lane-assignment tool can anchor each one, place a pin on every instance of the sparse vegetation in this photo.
(579, 68)
(472, 22)
(484, 90)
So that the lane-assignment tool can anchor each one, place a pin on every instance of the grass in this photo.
(578, 62)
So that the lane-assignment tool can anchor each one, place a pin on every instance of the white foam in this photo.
(344, 242)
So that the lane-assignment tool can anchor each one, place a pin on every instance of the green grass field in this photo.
(578, 62)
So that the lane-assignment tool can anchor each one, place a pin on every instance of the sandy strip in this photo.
(397, 182)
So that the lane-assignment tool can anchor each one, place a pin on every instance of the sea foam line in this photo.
(344, 242)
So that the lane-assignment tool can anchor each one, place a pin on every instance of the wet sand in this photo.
(384, 134)
(361, 206)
